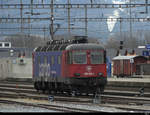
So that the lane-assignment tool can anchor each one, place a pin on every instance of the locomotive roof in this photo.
(84, 46)
(76, 44)
(59, 45)
(69, 47)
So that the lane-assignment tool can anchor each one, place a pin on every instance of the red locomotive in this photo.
(73, 65)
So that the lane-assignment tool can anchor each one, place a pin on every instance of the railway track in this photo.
(46, 106)
(13, 90)
(10, 93)
(30, 89)
(111, 99)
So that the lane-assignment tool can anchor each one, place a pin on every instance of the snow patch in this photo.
(116, 14)
(111, 23)
(120, 1)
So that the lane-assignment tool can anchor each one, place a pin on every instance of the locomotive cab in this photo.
(85, 66)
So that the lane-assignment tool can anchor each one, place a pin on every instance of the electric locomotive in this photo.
(70, 65)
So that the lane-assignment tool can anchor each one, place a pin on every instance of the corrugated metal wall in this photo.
(14, 68)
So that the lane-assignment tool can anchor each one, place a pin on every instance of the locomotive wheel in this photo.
(87, 94)
(102, 89)
(73, 94)
(53, 92)
(68, 92)
(43, 86)
(36, 86)
(98, 90)
(39, 85)
(49, 86)
(78, 93)
(49, 91)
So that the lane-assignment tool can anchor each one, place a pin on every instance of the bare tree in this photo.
(25, 41)
(147, 37)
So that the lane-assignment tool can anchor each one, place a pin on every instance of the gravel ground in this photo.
(144, 80)
(20, 108)
(91, 107)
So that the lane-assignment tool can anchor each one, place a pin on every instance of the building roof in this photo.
(124, 57)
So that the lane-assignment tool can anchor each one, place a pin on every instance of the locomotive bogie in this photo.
(78, 85)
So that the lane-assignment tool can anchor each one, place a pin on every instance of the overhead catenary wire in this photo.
(93, 5)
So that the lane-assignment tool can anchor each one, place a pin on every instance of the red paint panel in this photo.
(87, 70)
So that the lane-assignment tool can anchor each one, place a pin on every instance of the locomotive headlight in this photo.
(77, 74)
(100, 74)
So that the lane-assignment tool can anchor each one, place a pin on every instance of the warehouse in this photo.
(127, 65)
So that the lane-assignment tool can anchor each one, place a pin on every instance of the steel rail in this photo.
(47, 106)
(22, 91)
(121, 91)
(106, 98)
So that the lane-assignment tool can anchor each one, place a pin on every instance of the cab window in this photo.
(79, 57)
(97, 57)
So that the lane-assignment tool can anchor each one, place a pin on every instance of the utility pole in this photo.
(52, 19)
(21, 15)
(146, 6)
(130, 22)
(31, 7)
(86, 20)
(68, 17)
(120, 27)
(29, 24)
(23, 38)
(44, 29)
